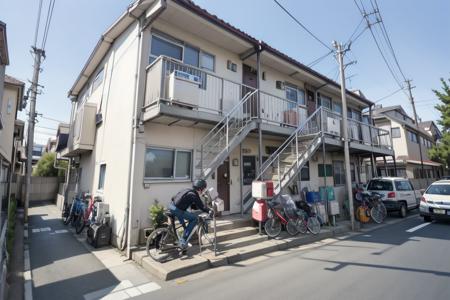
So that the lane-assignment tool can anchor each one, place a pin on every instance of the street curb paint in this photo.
(27, 276)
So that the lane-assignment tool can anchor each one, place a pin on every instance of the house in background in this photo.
(172, 93)
(11, 135)
(405, 140)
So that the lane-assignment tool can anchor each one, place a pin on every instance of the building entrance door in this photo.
(223, 183)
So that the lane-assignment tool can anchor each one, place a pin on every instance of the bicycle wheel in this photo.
(206, 236)
(68, 219)
(313, 225)
(301, 225)
(291, 227)
(79, 226)
(159, 242)
(378, 213)
(272, 227)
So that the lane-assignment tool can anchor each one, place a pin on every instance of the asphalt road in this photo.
(64, 267)
(388, 263)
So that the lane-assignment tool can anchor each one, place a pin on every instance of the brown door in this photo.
(249, 77)
(223, 183)
(311, 102)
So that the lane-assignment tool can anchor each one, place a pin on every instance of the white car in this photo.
(435, 202)
(398, 193)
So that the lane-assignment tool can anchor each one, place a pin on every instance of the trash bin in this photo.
(99, 235)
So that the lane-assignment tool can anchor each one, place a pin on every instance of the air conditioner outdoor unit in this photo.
(334, 126)
(184, 88)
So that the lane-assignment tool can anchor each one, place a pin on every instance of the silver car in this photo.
(435, 202)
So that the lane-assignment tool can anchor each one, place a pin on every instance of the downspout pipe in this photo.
(135, 126)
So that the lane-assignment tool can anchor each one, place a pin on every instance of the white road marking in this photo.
(35, 230)
(124, 290)
(418, 227)
(46, 229)
(61, 231)
(28, 280)
(367, 235)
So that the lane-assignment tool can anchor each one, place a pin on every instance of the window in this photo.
(162, 46)
(304, 174)
(337, 108)
(324, 101)
(191, 56)
(98, 79)
(380, 185)
(167, 163)
(291, 93)
(403, 185)
(439, 189)
(101, 177)
(248, 169)
(413, 137)
(207, 61)
(353, 172)
(328, 170)
(301, 97)
(395, 132)
(338, 172)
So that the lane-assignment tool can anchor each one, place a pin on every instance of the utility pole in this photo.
(38, 55)
(348, 179)
(411, 98)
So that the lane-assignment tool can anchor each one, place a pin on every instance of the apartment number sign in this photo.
(246, 150)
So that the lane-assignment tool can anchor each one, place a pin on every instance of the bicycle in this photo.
(164, 240)
(371, 207)
(276, 218)
(74, 212)
(87, 216)
(307, 220)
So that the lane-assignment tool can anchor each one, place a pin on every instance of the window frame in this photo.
(200, 61)
(399, 132)
(162, 36)
(174, 164)
(101, 178)
(328, 167)
(320, 101)
(341, 176)
(305, 168)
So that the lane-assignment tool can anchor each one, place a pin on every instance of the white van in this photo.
(398, 193)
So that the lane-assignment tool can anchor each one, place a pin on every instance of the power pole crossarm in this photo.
(38, 55)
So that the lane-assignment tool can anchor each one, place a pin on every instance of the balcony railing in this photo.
(359, 132)
(215, 94)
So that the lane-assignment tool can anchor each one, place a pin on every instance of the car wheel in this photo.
(402, 210)
(426, 218)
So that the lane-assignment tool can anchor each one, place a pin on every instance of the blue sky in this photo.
(419, 31)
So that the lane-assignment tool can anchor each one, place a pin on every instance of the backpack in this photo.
(180, 194)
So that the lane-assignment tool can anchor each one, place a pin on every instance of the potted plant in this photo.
(157, 216)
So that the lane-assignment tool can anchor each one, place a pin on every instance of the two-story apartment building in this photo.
(172, 93)
(405, 140)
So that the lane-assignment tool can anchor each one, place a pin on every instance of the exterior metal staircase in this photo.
(284, 164)
(216, 146)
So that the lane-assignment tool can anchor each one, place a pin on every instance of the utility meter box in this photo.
(262, 189)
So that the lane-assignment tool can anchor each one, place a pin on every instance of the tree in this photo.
(441, 152)
(45, 166)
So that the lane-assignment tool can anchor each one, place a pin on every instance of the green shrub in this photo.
(157, 216)
(11, 225)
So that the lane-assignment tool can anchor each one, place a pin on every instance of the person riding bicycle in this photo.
(182, 201)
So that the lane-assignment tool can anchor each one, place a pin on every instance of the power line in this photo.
(316, 61)
(51, 5)
(51, 119)
(302, 26)
(389, 95)
(43, 127)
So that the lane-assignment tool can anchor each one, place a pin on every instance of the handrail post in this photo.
(296, 150)
(201, 160)
(227, 132)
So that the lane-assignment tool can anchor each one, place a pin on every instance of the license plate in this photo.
(439, 211)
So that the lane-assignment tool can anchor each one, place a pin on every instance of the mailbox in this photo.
(259, 210)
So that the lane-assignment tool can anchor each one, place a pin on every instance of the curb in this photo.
(27, 276)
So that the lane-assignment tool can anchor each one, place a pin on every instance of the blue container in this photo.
(330, 192)
(312, 197)
(323, 193)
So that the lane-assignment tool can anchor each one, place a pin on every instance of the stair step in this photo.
(231, 234)
(241, 242)
(231, 224)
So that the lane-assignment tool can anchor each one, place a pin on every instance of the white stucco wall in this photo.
(8, 111)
